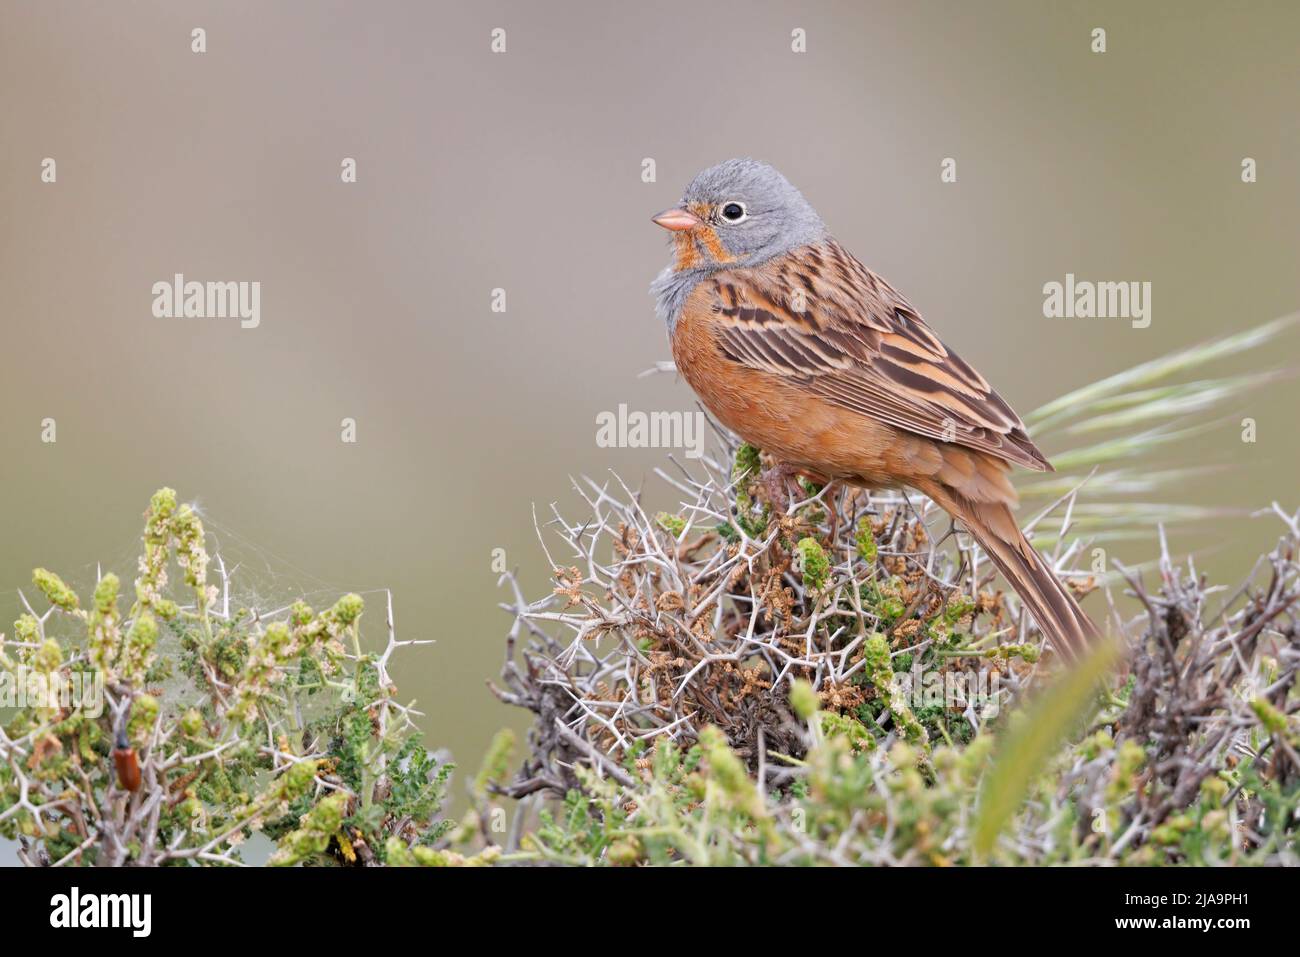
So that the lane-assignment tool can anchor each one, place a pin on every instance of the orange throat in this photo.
(688, 243)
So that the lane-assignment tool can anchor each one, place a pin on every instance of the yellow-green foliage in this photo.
(880, 672)
(227, 718)
(744, 472)
(865, 541)
(812, 563)
(1036, 735)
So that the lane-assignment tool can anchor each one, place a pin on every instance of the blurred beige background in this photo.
(522, 171)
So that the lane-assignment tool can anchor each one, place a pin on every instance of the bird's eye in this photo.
(733, 212)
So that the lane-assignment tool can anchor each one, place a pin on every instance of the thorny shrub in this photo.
(822, 681)
(199, 724)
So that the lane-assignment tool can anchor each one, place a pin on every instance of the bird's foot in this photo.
(777, 483)
(833, 513)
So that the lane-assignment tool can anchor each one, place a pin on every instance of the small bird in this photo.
(807, 354)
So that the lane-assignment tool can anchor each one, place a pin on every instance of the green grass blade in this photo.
(1166, 402)
(1081, 400)
(1124, 447)
(1031, 741)
(1116, 482)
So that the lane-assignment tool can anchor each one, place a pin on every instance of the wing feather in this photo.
(825, 320)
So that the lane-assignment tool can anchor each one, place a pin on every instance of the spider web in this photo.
(255, 578)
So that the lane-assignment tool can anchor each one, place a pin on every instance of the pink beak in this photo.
(677, 220)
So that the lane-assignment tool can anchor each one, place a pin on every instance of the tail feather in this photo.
(1055, 610)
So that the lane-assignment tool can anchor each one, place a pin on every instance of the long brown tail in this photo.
(994, 526)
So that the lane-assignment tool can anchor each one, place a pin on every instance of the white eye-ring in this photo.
(732, 212)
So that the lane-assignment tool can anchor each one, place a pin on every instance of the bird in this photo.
(805, 353)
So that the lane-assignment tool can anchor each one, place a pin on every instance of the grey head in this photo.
(739, 213)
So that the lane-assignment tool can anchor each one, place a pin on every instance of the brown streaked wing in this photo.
(859, 344)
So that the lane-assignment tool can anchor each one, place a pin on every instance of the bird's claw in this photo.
(777, 482)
